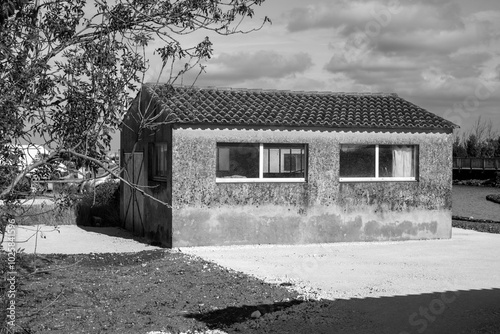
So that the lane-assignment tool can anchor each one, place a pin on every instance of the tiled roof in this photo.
(221, 106)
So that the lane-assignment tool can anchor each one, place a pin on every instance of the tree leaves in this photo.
(70, 67)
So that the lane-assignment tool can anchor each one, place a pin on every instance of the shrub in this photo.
(477, 226)
(493, 198)
(7, 174)
(497, 178)
(100, 207)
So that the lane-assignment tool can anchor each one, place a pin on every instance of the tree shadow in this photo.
(463, 311)
(118, 232)
(232, 315)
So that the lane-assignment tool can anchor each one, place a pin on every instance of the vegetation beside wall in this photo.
(100, 207)
(477, 226)
(489, 182)
(493, 198)
(94, 208)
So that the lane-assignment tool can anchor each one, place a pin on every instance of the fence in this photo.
(477, 163)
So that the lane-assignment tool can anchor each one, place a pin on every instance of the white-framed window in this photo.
(157, 153)
(360, 163)
(250, 162)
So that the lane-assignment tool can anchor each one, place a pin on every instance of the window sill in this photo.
(263, 180)
(158, 179)
(377, 179)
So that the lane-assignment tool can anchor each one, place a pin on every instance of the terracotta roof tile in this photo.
(212, 106)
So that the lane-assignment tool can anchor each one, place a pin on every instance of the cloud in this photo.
(438, 83)
(308, 84)
(433, 41)
(261, 64)
(260, 69)
(352, 16)
(466, 65)
(455, 66)
(372, 63)
(447, 74)
(437, 26)
(428, 50)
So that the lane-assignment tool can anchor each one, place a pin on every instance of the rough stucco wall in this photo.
(321, 210)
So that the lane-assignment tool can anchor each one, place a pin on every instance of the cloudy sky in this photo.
(443, 55)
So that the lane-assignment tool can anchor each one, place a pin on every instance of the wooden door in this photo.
(133, 199)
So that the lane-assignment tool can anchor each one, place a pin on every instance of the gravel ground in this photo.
(72, 239)
(434, 286)
(470, 260)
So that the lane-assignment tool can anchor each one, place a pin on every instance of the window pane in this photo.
(284, 161)
(357, 161)
(266, 160)
(161, 159)
(238, 160)
(157, 161)
(397, 161)
(274, 160)
(292, 160)
(224, 159)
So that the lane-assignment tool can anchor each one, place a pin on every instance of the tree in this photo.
(68, 68)
(488, 148)
(497, 147)
(482, 141)
(458, 148)
(472, 146)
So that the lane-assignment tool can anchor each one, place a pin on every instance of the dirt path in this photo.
(435, 286)
(72, 239)
(438, 286)
(470, 260)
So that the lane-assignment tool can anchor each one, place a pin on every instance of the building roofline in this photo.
(160, 93)
(312, 128)
(278, 91)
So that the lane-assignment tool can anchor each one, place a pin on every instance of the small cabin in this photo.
(240, 166)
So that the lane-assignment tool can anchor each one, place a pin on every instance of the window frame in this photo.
(152, 159)
(261, 178)
(377, 178)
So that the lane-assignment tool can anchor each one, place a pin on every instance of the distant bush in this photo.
(100, 207)
(497, 179)
(7, 174)
(493, 198)
(493, 182)
(69, 188)
(477, 226)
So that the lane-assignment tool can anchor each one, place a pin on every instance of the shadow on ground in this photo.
(471, 311)
(116, 232)
(232, 315)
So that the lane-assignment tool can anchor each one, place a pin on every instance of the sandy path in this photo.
(435, 286)
(72, 239)
(470, 260)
